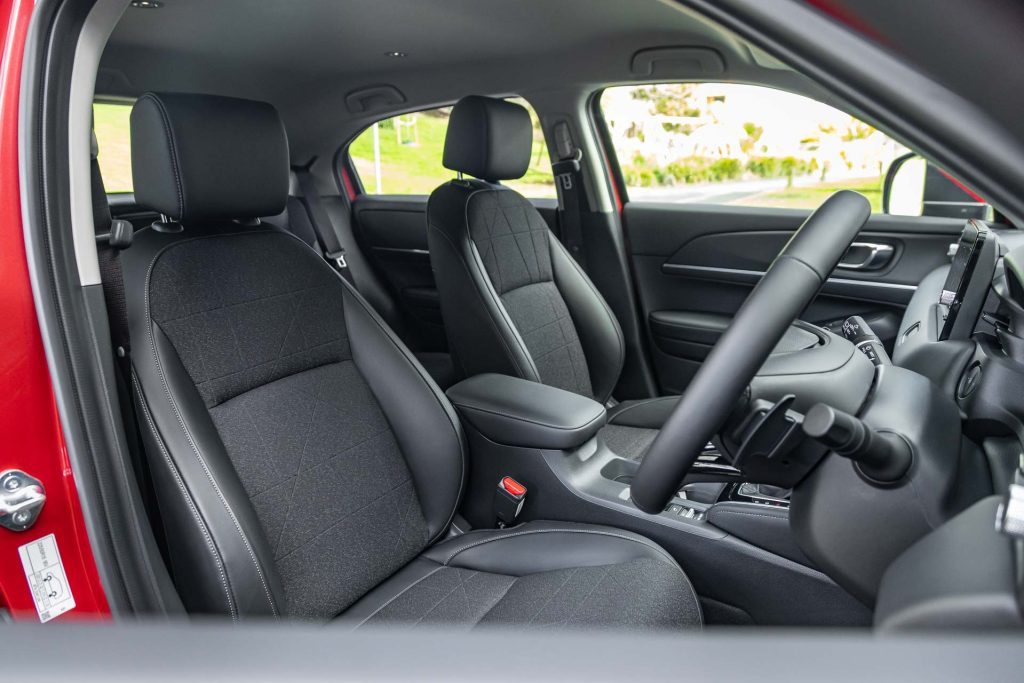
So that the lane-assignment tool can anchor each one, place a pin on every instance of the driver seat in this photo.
(304, 463)
(514, 301)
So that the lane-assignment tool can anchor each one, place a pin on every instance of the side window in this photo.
(110, 121)
(726, 143)
(402, 155)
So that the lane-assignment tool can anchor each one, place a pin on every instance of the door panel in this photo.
(392, 232)
(695, 264)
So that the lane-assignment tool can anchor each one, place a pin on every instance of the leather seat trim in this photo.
(172, 148)
(214, 552)
(495, 535)
(525, 374)
(592, 532)
(574, 428)
(614, 415)
(181, 422)
(512, 330)
(557, 244)
(428, 380)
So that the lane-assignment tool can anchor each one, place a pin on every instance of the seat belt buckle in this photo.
(338, 258)
(508, 501)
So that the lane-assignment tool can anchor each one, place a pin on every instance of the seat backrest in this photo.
(513, 300)
(300, 454)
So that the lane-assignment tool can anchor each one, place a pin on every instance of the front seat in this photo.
(305, 464)
(514, 301)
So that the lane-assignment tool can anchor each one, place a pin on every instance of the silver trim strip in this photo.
(402, 250)
(684, 269)
(93, 38)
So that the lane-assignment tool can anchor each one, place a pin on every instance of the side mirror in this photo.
(915, 187)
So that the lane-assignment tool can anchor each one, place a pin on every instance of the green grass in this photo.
(811, 196)
(415, 168)
(111, 123)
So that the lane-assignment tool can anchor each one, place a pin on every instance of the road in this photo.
(718, 193)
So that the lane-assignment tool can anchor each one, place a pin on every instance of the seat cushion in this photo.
(536, 575)
(633, 425)
(626, 442)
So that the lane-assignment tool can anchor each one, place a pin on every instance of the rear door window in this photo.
(110, 121)
(402, 155)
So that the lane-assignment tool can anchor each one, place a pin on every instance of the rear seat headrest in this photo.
(207, 157)
(488, 138)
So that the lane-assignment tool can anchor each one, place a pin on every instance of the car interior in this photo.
(463, 313)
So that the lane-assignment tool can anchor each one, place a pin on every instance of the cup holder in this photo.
(620, 471)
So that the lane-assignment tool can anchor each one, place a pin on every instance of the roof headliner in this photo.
(306, 55)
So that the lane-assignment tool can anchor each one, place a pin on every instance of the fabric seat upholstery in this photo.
(304, 462)
(540, 574)
(514, 301)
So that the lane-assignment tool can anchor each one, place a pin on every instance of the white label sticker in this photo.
(46, 578)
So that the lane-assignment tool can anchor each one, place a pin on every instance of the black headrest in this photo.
(206, 157)
(488, 138)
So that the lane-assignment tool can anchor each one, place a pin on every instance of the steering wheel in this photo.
(791, 283)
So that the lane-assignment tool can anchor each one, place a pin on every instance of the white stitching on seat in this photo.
(652, 546)
(566, 531)
(495, 300)
(188, 435)
(604, 304)
(431, 386)
(172, 148)
(188, 499)
(400, 594)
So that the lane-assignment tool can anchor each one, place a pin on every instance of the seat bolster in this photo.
(473, 314)
(647, 413)
(598, 329)
(543, 546)
(424, 423)
(509, 577)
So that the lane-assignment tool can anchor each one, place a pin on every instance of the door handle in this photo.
(867, 256)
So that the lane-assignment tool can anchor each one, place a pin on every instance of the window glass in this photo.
(110, 121)
(741, 144)
(402, 155)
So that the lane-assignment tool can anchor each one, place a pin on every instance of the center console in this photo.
(730, 535)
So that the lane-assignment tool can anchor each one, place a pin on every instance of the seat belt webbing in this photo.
(334, 253)
(569, 177)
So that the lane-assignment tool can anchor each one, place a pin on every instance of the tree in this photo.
(789, 167)
(672, 99)
(754, 133)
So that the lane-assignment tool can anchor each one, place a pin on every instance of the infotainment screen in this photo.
(959, 277)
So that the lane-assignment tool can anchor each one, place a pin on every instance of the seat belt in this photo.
(333, 252)
(569, 177)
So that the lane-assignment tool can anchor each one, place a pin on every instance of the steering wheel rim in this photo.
(787, 288)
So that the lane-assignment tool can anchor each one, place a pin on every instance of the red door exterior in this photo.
(30, 431)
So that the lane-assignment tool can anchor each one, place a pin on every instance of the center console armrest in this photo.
(517, 412)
